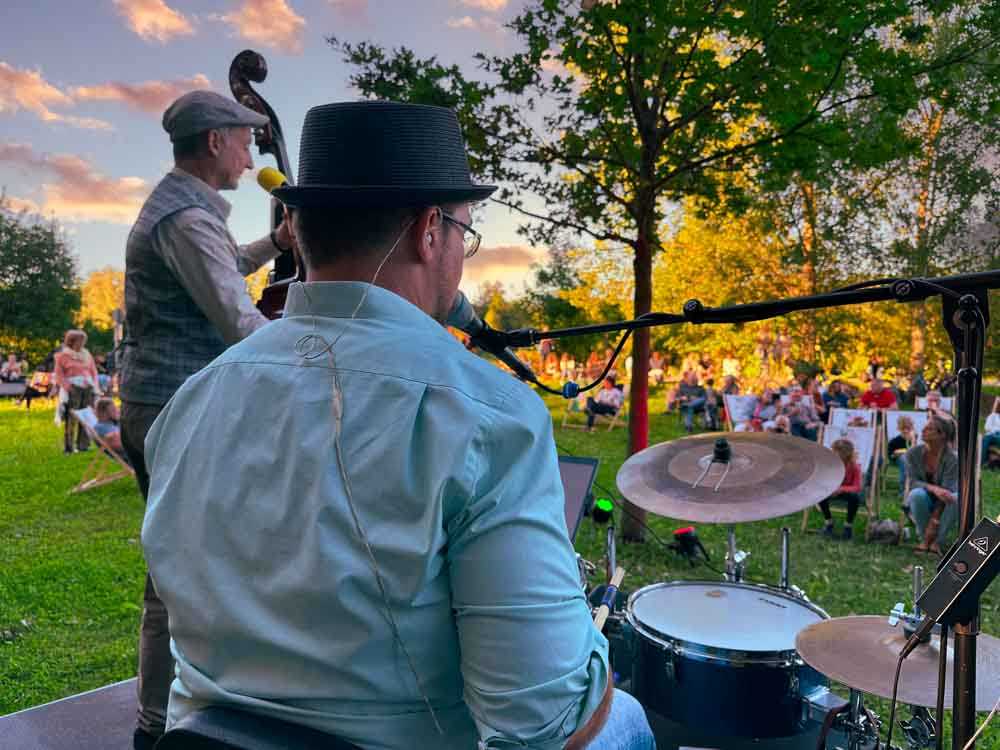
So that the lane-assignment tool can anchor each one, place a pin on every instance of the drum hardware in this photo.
(736, 559)
(919, 729)
(586, 569)
(722, 454)
(912, 621)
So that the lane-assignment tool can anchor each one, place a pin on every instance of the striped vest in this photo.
(168, 337)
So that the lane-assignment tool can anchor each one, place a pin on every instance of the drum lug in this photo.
(669, 668)
(793, 685)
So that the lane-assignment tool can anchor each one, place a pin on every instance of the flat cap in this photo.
(201, 110)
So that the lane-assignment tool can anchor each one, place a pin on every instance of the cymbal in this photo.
(770, 475)
(861, 652)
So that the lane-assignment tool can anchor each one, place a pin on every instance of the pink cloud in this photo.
(508, 264)
(27, 90)
(154, 19)
(490, 6)
(151, 97)
(272, 23)
(484, 24)
(77, 191)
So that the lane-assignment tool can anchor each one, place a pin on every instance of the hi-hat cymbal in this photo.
(861, 652)
(769, 476)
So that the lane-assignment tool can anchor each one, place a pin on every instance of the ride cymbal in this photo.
(861, 652)
(769, 476)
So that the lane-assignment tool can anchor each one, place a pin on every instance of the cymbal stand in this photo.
(735, 559)
(784, 582)
(860, 725)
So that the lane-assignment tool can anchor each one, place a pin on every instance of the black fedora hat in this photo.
(358, 154)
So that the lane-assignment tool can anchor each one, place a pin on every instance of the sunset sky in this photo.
(83, 85)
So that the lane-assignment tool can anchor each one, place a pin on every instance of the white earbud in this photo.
(430, 238)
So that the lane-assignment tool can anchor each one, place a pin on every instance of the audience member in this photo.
(730, 386)
(899, 445)
(107, 425)
(849, 490)
(691, 398)
(812, 390)
(731, 366)
(836, 396)
(878, 396)
(609, 400)
(11, 371)
(765, 412)
(932, 468)
(918, 386)
(76, 376)
(780, 425)
(991, 434)
(656, 365)
(802, 417)
(712, 400)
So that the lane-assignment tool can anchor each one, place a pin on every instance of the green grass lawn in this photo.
(71, 570)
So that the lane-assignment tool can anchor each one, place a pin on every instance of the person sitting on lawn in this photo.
(836, 397)
(932, 468)
(991, 434)
(107, 427)
(899, 445)
(849, 490)
(609, 400)
(765, 412)
(878, 396)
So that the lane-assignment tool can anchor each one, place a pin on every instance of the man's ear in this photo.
(429, 234)
(213, 143)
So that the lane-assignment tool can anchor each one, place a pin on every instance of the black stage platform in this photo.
(101, 719)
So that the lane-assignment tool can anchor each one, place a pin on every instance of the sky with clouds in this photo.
(83, 86)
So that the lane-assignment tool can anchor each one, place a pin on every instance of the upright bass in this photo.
(250, 66)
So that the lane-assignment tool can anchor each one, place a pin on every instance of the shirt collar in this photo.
(339, 299)
(210, 193)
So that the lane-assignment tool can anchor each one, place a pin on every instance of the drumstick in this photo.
(610, 593)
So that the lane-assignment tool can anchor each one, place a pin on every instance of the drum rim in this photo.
(701, 651)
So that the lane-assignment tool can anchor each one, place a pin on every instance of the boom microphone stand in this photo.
(965, 305)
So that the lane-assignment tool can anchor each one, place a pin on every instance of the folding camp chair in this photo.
(98, 470)
(947, 403)
(739, 410)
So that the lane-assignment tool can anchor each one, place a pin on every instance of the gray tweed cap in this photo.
(197, 111)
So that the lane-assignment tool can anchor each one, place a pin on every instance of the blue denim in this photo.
(698, 404)
(990, 438)
(921, 502)
(626, 728)
(900, 462)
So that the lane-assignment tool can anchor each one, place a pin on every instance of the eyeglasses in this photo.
(470, 237)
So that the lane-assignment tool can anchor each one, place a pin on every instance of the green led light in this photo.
(605, 505)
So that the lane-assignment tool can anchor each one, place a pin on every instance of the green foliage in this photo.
(39, 295)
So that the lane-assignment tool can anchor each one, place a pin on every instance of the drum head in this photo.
(729, 616)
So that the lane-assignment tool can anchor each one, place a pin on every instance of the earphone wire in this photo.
(303, 347)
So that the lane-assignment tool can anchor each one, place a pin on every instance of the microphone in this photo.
(463, 316)
(270, 178)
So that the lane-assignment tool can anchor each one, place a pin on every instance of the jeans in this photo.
(156, 665)
(626, 728)
(921, 502)
(990, 438)
(697, 404)
(78, 398)
(853, 500)
(594, 408)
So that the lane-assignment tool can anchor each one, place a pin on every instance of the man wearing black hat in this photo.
(186, 300)
(378, 548)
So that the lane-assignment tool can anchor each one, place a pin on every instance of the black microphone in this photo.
(463, 316)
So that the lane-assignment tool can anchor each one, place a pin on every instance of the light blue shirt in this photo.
(273, 604)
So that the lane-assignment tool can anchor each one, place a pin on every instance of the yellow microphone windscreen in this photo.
(270, 178)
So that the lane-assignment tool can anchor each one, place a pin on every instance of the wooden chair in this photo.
(98, 471)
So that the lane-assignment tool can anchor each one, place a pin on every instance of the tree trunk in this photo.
(638, 427)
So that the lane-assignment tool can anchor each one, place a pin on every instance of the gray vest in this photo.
(168, 337)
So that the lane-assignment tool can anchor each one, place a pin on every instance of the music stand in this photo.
(577, 475)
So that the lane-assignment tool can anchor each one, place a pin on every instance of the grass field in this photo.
(71, 569)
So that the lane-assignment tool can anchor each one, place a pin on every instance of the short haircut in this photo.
(904, 423)
(843, 448)
(326, 235)
(103, 408)
(195, 145)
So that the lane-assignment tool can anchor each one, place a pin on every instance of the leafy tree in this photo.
(609, 114)
(39, 296)
(102, 293)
